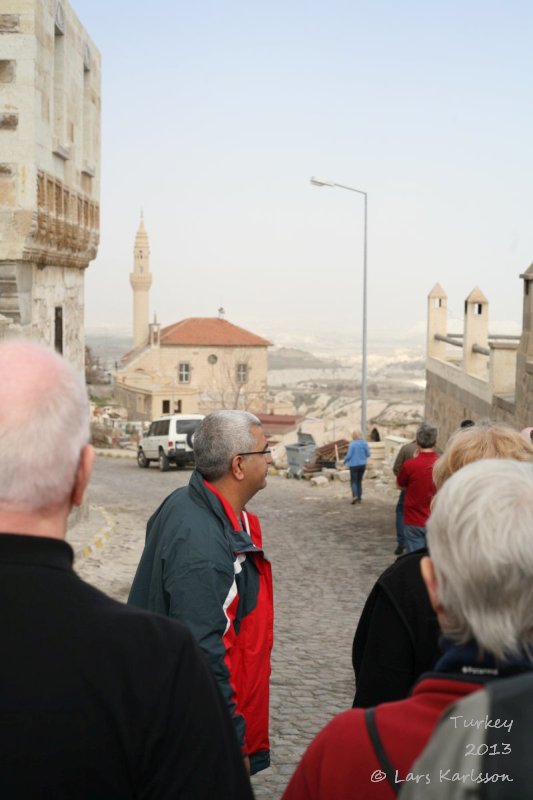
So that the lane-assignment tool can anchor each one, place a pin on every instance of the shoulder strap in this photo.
(382, 756)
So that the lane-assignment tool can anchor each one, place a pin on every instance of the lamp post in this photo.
(323, 182)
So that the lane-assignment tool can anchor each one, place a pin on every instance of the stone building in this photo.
(49, 171)
(194, 366)
(478, 375)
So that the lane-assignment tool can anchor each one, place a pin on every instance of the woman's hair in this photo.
(480, 536)
(485, 439)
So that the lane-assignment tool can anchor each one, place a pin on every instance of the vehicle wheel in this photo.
(164, 464)
(142, 461)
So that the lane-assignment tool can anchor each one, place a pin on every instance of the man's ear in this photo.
(430, 579)
(85, 468)
(236, 467)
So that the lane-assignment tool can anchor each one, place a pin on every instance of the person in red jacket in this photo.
(416, 478)
(480, 582)
(204, 565)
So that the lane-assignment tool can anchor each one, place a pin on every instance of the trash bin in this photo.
(300, 454)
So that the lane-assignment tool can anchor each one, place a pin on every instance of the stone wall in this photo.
(449, 403)
(492, 378)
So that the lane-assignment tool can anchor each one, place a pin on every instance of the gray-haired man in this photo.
(203, 564)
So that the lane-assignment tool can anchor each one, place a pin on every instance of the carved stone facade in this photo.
(476, 375)
(49, 171)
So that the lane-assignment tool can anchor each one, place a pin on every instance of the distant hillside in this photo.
(292, 358)
(108, 347)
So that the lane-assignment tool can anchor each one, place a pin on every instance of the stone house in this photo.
(49, 171)
(478, 375)
(195, 366)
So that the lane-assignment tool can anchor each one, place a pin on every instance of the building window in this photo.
(242, 373)
(184, 373)
(177, 407)
(7, 71)
(58, 329)
(140, 402)
(166, 407)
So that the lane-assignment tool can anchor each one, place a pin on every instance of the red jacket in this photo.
(341, 763)
(416, 477)
(248, 650)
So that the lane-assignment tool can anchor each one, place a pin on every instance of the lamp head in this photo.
(321, 181)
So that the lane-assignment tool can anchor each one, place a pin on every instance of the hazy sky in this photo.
(216, 113)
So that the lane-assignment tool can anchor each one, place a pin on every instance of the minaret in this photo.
(140, 280)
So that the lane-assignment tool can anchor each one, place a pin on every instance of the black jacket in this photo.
(99, 701)
(397, 635)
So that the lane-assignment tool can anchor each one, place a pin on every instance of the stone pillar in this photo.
(476, 332)
(155, 334)
(140, 280)
(524, 358)
(502, 367)
(437, 322)
(526, 341)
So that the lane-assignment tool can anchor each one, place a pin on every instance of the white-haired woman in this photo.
(480, 583)
(397, 635)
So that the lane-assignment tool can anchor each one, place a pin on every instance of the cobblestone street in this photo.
(325, 555)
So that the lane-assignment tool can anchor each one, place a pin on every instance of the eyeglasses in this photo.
(257, 453)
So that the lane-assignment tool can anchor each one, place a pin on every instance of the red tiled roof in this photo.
(279, 419)
(278, 423)
(209, 331)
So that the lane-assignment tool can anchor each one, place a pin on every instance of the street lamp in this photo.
(324, 182)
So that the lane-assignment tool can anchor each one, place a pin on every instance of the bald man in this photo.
(97, 700)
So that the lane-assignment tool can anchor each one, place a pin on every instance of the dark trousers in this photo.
(356, 479)
(400, 536)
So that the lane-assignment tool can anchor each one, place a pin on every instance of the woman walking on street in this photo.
(356, 458)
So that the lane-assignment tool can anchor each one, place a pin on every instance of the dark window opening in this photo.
(58, 329)
(166, 407)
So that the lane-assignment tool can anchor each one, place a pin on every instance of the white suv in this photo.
(169, 440)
